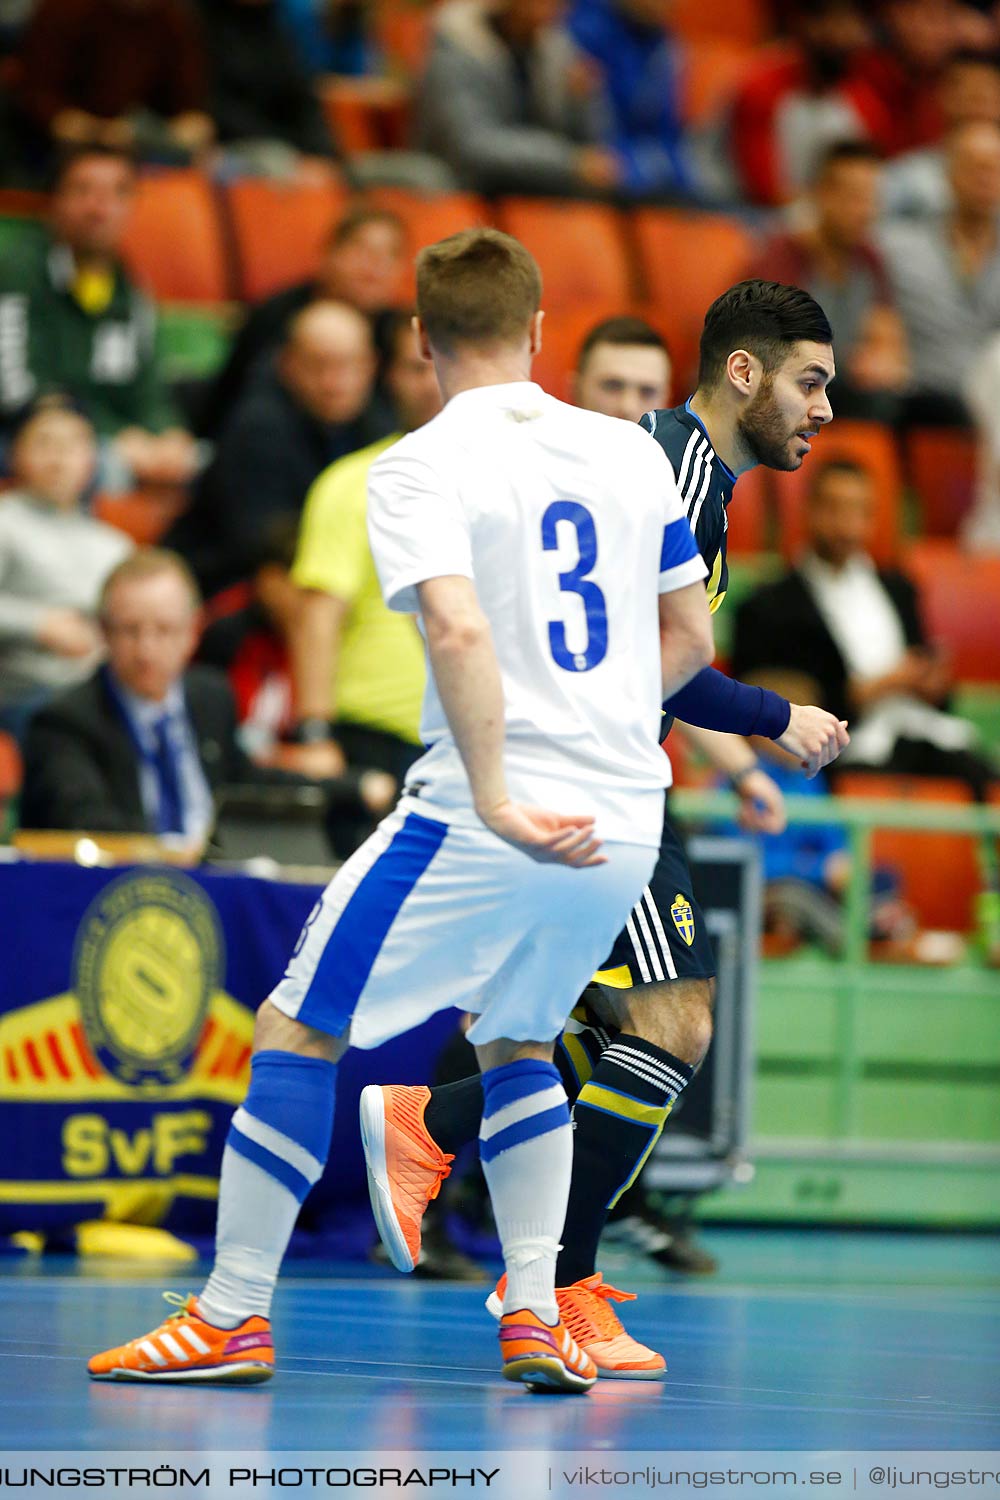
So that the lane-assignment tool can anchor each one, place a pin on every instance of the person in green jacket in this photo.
(72, 320)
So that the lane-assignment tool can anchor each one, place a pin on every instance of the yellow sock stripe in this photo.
(578, 1056)
(654, 1137)
(623, 1105)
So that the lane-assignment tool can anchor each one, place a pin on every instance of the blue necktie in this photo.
(170, 813)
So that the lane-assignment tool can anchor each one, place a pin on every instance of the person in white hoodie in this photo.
(54, 557)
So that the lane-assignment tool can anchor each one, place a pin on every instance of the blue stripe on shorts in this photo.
(363, 925)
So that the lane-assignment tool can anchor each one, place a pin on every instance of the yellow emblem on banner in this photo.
(148, 961)
(683, 918)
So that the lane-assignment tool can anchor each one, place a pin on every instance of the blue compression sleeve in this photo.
(711, 700)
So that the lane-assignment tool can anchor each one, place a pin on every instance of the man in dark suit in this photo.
(314, 404)
(856, 630)
(144, 744)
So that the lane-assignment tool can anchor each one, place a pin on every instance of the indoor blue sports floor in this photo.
(806, 1340)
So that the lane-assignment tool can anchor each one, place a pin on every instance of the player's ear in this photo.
(535, 333)
(743, 372)
(423, 342)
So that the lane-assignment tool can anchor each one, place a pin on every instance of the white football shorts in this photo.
(427, 915)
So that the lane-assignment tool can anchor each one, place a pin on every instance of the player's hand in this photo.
(814, 737)
(548, 837)
(762, 804)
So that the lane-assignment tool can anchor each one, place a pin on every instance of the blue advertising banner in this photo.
(127, 1004)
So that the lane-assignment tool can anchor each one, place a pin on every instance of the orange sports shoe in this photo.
(185, 1347)
(406, 1166)
(542, 1356)
(585, 1309)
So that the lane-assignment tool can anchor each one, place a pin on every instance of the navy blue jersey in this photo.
(706, 487)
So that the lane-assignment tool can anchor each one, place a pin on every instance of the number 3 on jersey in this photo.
(576, 581)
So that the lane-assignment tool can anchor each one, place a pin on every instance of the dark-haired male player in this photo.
(766, 360)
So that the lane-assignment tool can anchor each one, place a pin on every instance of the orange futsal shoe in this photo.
(185, 1347)
(585, 1309)
(543, 1356)
(406, 1166)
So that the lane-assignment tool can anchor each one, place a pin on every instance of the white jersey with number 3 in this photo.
(570, 525)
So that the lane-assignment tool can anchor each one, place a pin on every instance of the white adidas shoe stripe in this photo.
(197, 1343)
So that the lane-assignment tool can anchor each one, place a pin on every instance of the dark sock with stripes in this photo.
(454, 1113)
(454, 1110)
(617, 1120)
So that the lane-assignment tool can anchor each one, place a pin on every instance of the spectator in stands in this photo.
(332, 36)
(122, 73)
(905, 70)
(641, 72)
(857, 631)
(832, 255)
(622, 369)
(54, 558)
(145, 743)
(72, 320)
(358, 668)
(246, 635)
(141, 745)
(981, 527)
(509, 102)
(945, 275)
(799, 98)
(262, 98)
(915, 185)
(363, 265)
(314, 405)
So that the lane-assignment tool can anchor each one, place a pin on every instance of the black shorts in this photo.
(665, 937)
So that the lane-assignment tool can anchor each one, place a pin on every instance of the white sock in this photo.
(526, 1145)
(275, 1151)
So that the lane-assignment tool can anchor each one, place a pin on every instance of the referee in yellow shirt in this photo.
(357, 667)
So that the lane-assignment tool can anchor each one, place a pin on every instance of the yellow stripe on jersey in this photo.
(712, 587)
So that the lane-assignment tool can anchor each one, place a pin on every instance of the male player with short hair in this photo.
(546, 552)
(646, 1024)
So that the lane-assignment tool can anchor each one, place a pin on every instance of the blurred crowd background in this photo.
(208, 224)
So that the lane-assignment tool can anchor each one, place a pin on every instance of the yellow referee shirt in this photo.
(380, 665)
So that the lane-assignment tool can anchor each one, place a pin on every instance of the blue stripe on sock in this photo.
(506, 1091)
(273, 1165)
(363, 925)
(524, 1130)
(295, 1095)
(515, 1080)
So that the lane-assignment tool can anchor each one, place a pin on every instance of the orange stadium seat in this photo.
(10, 767)
(562, 334)
(744, 21)
(939, 871)
(711, 71)
(280, 230)
(959, 594)
(941, 466)
(686, 260)
(143, 515)
(429, 217)
(580, 247)
(865, 443)
(366, 114)
(175, 246)
(749, 514)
